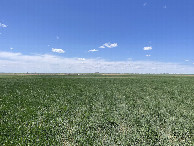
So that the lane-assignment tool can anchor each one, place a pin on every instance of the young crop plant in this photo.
(96, 110)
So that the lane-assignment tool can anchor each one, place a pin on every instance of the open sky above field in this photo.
(142, 36)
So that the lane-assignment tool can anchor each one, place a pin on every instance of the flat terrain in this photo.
(96, 110)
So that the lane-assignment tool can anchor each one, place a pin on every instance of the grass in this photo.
(97, 110)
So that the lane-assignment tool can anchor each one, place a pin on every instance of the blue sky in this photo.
(129, 32)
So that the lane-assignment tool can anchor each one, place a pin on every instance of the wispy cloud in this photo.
(58, 50)
(82, 59)
(147, 48)
(144, 4)
(164, 6)
(11, 48)
(102, 47)
(18, 62)
(109, 45)
(148, 55)
(3, 25)
(92, 50)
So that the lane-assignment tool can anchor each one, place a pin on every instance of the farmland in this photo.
(96, 110)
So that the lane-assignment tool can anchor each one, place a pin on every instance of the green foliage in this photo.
(96, 110)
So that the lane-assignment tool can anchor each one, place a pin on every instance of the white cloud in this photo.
(58, 50)
(9, 55)
(148, 55)
(17, 62)
(109, 45)
(82, 59)
(92, 50)
(147, 48)
(11, 48)
(3, 25)
(186, 60)
(102, 47)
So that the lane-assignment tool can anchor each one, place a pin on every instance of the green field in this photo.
(97, 110)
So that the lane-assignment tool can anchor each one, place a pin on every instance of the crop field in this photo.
(96, 110)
